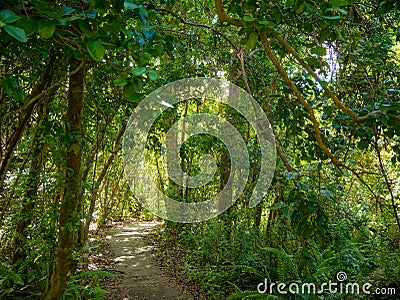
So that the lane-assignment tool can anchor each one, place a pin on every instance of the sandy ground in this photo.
(141, 278)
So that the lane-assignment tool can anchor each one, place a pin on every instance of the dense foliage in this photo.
(326, 73)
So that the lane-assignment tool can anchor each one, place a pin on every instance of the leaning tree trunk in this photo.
(86, 169)
(72, 187)
(99, 180)
(30, 197)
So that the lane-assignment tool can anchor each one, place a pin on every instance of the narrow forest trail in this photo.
(141, 278)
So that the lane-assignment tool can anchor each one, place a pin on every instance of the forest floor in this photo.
(128, 254)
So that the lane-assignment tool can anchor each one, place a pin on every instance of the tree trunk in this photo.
(103, 173)
(32, 184)
(72, 187)
(87, 167)
(257, 216)
(23, 119)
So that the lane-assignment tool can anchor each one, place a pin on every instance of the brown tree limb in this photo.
(28, 110)
(281, 154)
(224, 17)
(387, 181)
(95, 191)
(337, 102)
(199, 25)
(300, 98)
(37, 97)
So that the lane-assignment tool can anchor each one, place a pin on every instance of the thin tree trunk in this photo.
(88, 166)
(72, 188)
(103, 173)
(23, 120)
(257, 216)
(18, 133)
(32, 185)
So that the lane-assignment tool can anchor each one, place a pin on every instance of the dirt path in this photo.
(141, 278)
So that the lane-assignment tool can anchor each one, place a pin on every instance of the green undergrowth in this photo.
(230, 262)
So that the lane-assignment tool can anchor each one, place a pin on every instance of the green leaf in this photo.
(120, 82)
(268, 23)
(46, 31)
(318, 50)
(137, 84)
(95, 49)
(138, 71)
(287, 212)
(323, 270)
(92, 14)
(153, 74)
(331, 17)
(16, 32)
(277, 205)
(8, 16)
(67, 10)
(11, 86)
(44, 9)
(146, 27)
(28, 25)
(251, 295)
(143, 13)
(313, 62)
(248, 19)
(135, 97)
(132, 88)
(302, 186)
(252, 40)
(76, 17)
(180, 48)
(326, 193)
(129, 90)
(338, 3)
(62, 22)
(128, 5)
(291, 175)
(86, 29)
(69, 226)
(340, 10)
(306, 252)
(11, 275)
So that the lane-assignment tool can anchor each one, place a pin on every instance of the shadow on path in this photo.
(142, 279)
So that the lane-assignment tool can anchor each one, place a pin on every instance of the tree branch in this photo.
(223, 16)
(337, 102)
(281, 154)
(300, 98)
(387, 181)
(55, 84)
(198, 25)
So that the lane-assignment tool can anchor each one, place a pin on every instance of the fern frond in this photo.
(11, 275)
(285, 264)
(253, 271)
(251, 295)
(335, 297)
